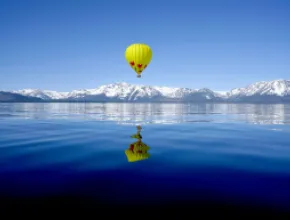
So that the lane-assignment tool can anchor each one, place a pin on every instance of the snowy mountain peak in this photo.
(42, 94)
(121, 84)
(278, 87)
(122, 91)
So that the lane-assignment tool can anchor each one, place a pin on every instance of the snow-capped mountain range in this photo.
(272, 91)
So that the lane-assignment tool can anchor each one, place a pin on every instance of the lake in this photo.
(190, 153)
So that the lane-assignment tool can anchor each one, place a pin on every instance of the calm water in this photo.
(225, 152)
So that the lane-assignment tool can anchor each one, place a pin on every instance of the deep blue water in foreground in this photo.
(222, 152)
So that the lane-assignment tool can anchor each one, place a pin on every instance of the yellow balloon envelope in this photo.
(138, 57)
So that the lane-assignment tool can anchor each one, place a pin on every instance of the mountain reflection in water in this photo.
(144, 113)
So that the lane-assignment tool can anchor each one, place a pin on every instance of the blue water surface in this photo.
(225, 152)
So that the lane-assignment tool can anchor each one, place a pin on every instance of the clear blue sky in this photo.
(71, 44)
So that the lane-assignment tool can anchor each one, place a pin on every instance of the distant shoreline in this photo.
(154, 102)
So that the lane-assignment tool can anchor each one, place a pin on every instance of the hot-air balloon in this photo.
(138, 150)
(138, 57)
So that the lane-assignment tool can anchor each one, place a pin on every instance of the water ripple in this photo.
(221, 148)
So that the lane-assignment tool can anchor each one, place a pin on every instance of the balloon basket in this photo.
(138, 76)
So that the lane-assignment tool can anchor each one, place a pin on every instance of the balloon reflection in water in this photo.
(138, 150)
